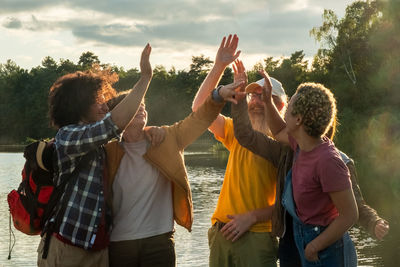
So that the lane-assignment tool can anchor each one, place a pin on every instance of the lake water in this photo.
(205, 174)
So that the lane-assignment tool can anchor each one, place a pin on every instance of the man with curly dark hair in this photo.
(77, 233)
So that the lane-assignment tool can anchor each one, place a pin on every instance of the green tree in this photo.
(66, 66)
(360, 59)
(88, 59)
(49, 63)
(292, 71)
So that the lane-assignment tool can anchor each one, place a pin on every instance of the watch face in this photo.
(215, 94)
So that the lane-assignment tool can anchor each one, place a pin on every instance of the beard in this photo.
(259, 123)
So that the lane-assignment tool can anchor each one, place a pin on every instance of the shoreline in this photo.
(12, 148)
(201, 144)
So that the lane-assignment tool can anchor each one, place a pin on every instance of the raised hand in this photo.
(229, 92)
(145, 66)
(239, 74)
(227, 51)
(267, 88)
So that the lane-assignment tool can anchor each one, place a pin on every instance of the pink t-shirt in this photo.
(315, 174)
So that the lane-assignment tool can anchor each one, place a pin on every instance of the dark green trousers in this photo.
(152, 251)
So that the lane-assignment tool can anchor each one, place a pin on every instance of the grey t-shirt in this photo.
(142, 197)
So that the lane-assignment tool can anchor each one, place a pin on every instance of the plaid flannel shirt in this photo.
(83, 212)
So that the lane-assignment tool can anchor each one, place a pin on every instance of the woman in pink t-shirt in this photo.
(325, 207)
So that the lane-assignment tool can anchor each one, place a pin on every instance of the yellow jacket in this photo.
(168, 157)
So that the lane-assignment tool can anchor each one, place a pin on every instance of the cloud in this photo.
(261, 27)
(272, 27)
(12, 23)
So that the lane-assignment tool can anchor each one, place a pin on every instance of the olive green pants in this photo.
(252, 249)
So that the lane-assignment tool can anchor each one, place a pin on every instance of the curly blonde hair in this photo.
(317, 106)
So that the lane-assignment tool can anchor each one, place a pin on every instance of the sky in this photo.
(116, 31)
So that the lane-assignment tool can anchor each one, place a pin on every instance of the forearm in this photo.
(368, 217)
(348, 215)
(80, 139)
(123, 113)
(244, 131)
(261, 215)
(274, 120)
(333, 233)
(194, 125)
(247, 137)
(209, 83)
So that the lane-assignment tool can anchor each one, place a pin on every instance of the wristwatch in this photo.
(216, 96)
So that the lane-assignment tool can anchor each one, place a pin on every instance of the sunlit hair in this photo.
(317, 106)
(72, 95)
(332, 129)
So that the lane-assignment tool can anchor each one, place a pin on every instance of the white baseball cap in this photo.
(277, 88)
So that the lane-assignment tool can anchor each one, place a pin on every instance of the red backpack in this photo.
(30, 202)
(37, 198)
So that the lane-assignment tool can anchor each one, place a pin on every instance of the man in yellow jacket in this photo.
(150, 187)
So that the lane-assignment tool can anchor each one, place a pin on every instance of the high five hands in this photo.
(239, 74)
(235, 91)
(267, 88)
(230, 93)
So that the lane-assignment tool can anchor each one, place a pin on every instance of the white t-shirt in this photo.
(142, 197)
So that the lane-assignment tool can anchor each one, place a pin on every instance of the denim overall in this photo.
(340, 253)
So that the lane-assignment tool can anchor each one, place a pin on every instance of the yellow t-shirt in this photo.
(249, 182)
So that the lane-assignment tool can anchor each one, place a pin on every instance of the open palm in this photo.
(227, 51)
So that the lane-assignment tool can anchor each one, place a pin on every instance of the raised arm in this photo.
(274, 120)
(255, 141)
(123, 113)
(226, 55)
(368, 217)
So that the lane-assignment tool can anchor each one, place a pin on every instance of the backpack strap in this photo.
(39, 154)
(345, 158)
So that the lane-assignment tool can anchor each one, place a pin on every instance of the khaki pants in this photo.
(64, 255)
(252, 250)
(155, 251)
